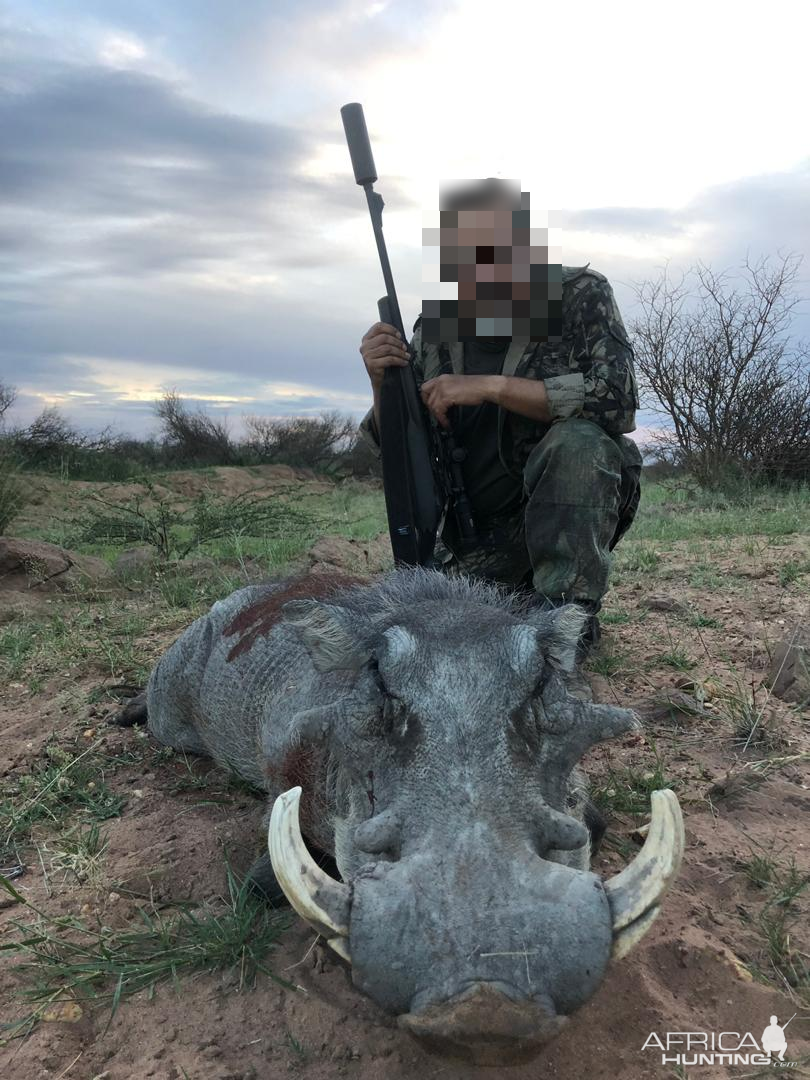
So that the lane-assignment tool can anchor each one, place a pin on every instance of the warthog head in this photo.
(466, 907)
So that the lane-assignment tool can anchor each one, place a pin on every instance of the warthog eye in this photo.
(542, 682)
(395, 716)
(524, 729)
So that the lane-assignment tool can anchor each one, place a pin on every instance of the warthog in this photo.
(420, 730)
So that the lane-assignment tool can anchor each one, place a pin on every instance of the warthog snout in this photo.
(484, 950)
(485, 1026)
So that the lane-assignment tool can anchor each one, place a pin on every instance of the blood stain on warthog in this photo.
(259, 618)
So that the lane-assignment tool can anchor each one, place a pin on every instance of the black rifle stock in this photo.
(422, 467)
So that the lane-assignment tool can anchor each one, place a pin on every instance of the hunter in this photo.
(552, 479)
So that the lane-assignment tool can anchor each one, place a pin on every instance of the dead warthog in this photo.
(419, 729)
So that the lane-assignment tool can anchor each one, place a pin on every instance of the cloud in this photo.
(148, 235)
(761, 214)
(624, 220)
(108, 171)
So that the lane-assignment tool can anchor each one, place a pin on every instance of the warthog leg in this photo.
(134, 712)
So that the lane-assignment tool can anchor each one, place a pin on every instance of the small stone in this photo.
(88, 733)
(683, 682)
(789, 674)
(113, 898)
(674, 706)
(137, 792)
(661, 602)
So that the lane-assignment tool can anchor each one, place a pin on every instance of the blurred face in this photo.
(505, 286)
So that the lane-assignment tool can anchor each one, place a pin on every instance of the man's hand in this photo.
(380, 348)
(441, 393)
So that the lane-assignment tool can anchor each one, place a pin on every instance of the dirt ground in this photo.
(708, 964)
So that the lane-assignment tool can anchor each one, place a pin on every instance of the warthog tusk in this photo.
(635, 894)
(318, 898)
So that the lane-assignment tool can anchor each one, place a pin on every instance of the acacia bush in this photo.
(715, 357)
(50, 443)
(175, 529)
(192, 436)
(310, 441)
(8, 395)
(188, 438)
(12, 490)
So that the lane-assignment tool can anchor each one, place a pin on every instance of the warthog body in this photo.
(428, 724)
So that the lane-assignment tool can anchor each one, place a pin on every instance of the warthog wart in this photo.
(420, 729)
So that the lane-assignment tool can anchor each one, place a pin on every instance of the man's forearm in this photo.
(527, 397)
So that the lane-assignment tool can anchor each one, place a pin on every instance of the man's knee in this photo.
(574, 449)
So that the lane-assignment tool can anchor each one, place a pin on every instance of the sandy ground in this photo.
(703, 967)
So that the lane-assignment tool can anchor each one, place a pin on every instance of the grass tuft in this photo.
(627, 790)
(783, 884)
(700, 620)
(792, 570)
(80, 853)
(70, 958)
(677, 658)
(617, 617)
(60, 785)
(608, 661)
(639, 558)
(738, 706)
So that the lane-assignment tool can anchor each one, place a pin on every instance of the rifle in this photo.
(422, 474)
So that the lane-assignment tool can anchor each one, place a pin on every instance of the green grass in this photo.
(79, 854)
(707, 577)
(760, 869)
(616, 617)
(608, 661)
(677, 658)
(676, 511)
(700, 620)
(300, 1052)
(64, 783)
(102, 637)
(783, 884)
(352, 508)
(199, 774)
(18, 641)
(182, 588)
(638, 557)
(792, 570)
(74, 959)
(739, 709)
(627, 790)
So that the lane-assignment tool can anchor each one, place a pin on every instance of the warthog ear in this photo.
(399, 644)
(523, 649)
(558, 630)
(323, 629)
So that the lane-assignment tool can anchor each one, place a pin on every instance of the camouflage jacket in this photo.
(588, 373)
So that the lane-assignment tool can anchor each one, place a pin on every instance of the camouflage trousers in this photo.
(581, 492)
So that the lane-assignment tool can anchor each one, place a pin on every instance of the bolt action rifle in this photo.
(421, 463)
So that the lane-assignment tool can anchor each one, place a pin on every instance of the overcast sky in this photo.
(177, 207)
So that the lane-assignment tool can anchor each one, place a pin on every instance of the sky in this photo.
(177, 208)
